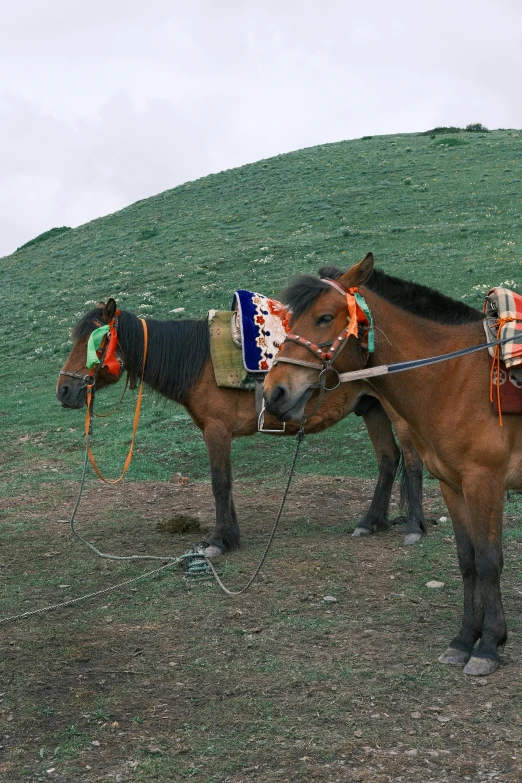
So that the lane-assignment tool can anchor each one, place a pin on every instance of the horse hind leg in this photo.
(412, 469)
(388, 458)
(225, 536)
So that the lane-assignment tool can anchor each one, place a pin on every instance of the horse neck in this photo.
(401, 336)
(176, 353)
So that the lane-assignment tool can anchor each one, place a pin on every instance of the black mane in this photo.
(177, 351)
(86, 325)
(420, 300)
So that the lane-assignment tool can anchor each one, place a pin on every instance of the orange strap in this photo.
(500, 323)
(136, 417)
(353, 323)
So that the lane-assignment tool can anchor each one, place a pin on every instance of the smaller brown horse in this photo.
(447, 407)
(179, 367)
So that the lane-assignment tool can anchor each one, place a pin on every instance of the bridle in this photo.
(356, 317)
(106, 357)
(90, 378)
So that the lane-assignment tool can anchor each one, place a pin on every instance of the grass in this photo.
(250, 227)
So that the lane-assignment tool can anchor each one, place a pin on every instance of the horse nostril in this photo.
(276, 398)
(64, 391)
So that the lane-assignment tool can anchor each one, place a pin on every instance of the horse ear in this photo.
(109, 310)
(358, 274)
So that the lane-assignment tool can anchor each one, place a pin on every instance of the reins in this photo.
(388, 369)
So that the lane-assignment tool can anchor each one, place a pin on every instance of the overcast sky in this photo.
(106, 102)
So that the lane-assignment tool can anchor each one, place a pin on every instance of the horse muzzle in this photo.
(71, 393)
(284, 405)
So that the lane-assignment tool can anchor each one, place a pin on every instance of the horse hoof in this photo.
(361, 531)
(412, 538)
(212, 551)
(454, 657)
(480, 667)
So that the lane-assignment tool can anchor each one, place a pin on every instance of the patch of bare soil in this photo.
(168, 680)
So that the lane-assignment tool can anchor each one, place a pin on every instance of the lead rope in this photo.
(299, 437)
(90, 403)
(196, 558)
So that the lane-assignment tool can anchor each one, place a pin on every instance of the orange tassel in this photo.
(500, 323)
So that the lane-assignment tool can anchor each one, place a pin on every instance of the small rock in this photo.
(443, 519)
(357, 733)
(434, 584)
(177, 310)
(95, 743)
(415, 715)
(412, 752)
(329, 599)
(443, 718)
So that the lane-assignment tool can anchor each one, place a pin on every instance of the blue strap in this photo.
(361, 301)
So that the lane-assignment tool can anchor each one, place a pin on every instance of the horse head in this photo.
(321, 320)
(75, 375)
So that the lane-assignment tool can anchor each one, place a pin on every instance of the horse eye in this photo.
(324, 319)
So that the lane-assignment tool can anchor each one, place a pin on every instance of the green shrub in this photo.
(147, 233)
(477, 127)
(451, 141)
(440, 130)
(53, 232)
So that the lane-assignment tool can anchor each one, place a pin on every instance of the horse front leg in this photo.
(388, 458)
(225, 537)
(477, 521)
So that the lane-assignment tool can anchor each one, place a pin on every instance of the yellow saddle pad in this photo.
(227, 357)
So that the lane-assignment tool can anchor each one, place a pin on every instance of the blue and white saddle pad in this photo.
(262, 329)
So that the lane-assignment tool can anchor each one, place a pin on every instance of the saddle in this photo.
(503, 310)
(245, 340)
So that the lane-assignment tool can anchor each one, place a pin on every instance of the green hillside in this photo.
(440, 209)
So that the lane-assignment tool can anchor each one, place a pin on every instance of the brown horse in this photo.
(447, 407)
(179, 366)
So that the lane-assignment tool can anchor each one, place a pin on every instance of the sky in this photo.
(108, 102)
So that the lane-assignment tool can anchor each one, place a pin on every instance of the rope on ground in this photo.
(300, 438)
(91, 546)
(97, 592)
(195, 556)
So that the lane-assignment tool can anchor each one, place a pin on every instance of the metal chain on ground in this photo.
(97, 592)
(300, 437)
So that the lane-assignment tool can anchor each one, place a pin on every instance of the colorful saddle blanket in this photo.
(503, 309)
(245, 340)
(501, 304)
(262, 328)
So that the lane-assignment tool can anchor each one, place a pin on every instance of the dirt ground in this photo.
(167, 679)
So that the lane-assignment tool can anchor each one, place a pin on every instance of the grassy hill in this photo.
(439, 209)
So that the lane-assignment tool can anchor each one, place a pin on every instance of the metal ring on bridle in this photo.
(323, 372)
